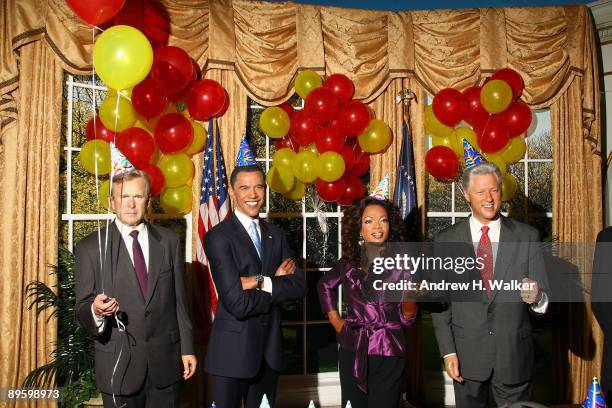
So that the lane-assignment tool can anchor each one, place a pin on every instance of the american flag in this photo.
(405, 194)
(214, 203)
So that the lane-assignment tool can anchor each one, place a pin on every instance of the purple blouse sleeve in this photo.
(327, 288)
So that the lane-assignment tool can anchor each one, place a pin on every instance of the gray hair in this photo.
(480, 169)
(131, 175)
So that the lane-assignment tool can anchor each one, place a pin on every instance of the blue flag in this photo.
(405, 192)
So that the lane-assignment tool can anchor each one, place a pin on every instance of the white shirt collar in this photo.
(245, 220)
(476, 229)
(126, 229)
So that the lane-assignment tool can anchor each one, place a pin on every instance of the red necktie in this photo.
(485, 252)
(140, 266)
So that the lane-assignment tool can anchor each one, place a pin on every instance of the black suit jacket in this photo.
(493, 334)
(158, 329)
(247, 326)
(601, 294)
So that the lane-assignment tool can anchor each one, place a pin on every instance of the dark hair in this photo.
(245, 169)
(351, 227)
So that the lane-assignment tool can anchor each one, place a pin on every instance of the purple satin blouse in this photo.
(372, 326)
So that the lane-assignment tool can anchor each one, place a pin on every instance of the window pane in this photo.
(313, 309)
(517, 206)
(539, 142)
(293, 349)
(321, 249)
(82, 111)
(82, 229)
(257, 139)
(278, 203)
(292, 310)
(322, 349)
(293, 229)
(438, 195)
(84, 200)
(540, 186)
(437, 224)
(460, 204)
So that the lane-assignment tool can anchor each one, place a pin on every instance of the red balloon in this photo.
(362, 163)
(329, 139)
(348, 154)
(197, 70)
(513, 79)
(155, 21)
(173, 133)
(331, 192)
(353, 117)
(206, 99)
(475, 113)
(172, 69)
(148, 99)
(287, 108)
(101, 132)
(156, 178)
(137, 146)
(95, 12)
(517, 118)
(442, 163)
(286, 142)
(449, 106)
(183, 93)
(354, 190)
(341, 86)
(322, 105)
(225, 106)
(303, 128)
(494, 136)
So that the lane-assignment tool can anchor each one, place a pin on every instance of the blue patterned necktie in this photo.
(255, 238)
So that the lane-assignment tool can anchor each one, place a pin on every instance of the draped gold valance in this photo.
(266, 44)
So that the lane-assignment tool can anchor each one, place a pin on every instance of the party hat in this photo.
(264, 400)
(381, 192)
(245, 155)
(213, 405)
(311, 405)
(348, 404)
(472, 157)
(594, 398)
(119, 163)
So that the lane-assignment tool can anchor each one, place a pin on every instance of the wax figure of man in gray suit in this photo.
(486, 342)
(254, 274)
(131, 296)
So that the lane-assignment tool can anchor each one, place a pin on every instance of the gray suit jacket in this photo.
(158, 328)
(492, 334)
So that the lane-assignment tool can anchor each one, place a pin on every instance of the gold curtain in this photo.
(257, 48)
(30, 196)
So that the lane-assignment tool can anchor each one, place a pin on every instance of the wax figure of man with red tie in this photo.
(486, 342)
(131, 296)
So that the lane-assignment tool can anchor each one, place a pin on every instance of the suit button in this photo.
(147, 313)
(491, 333)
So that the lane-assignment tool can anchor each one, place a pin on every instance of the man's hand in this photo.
(451, 364)
(248, 282)
(189, 365)
(533, 294)
(104, 306)
(335, 320)
(287, 267)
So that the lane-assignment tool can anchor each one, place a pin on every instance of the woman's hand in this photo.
(409, 309)
(335, 320)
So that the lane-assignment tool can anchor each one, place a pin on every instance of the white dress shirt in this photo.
(246, 222)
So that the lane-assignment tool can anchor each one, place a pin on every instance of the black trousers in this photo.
(228, 392)
(475, 394)
(148, 396)
(385, 381)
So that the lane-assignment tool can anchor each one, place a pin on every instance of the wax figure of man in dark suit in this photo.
(131, 296)
(487, 341)
(253, 273)
(601, 295)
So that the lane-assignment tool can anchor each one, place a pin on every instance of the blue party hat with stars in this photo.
(594, 398)
(245, 155)
(472, 157)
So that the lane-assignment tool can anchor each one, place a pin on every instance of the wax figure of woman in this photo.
(371, 357)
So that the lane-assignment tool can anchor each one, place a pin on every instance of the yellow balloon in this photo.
(117, 113)
(448, 141)
(496, 96)
(331, 166)
(306, 81)
(496, 159)
(274, 122)
(283, 157)
(122, 57)
(376, 138)
(298, 192)
(103, 194)
(310, 148)
(280, 179)
(515, 150)
(199, 139)
(125, 93)
(433, 126)
(96, 151)
(176, 200)
(509, 187)
(306, 166)
(177, 169)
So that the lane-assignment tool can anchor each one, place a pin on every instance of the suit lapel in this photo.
(267, 242)
(156, 259)
(123, 268)
(506, 251)
(244, 236)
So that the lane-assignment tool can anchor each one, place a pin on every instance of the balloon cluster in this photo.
(490, 118)
(144, 113)
(327, 143)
